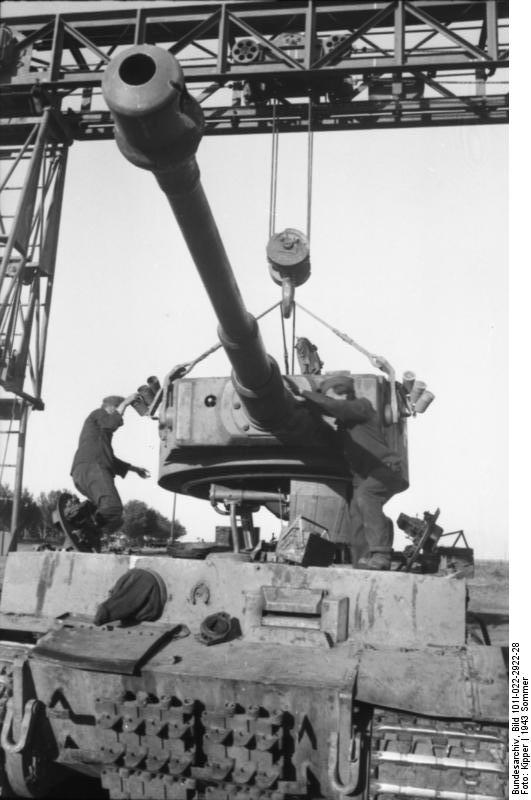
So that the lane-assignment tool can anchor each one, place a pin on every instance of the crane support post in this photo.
(158, 127)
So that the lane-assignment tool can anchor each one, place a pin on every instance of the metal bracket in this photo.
(28, 773)
(343, 758)
(6, 740)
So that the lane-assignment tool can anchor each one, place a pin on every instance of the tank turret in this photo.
(247, 431)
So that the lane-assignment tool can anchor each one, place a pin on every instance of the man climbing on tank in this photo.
(376, 468)
(95, 467)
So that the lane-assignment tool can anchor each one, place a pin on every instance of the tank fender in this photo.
(460, 682)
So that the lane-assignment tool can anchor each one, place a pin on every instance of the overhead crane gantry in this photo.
(255, 67)
(361, 65)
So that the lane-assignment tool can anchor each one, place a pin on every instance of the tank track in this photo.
(419, 757)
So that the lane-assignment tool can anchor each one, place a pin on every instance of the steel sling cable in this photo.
(180, 370)
(338, 333)
(184, 368)
(379, 362)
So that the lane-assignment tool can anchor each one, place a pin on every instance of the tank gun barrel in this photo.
(158, 127)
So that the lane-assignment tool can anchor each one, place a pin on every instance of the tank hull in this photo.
(285, 708)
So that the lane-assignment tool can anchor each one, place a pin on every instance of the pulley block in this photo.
(288, 254)
(246, 51)
(329, 43)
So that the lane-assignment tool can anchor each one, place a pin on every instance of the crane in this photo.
(254, 67)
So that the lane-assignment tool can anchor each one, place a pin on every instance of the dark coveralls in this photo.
(376, 473)
(95, 467)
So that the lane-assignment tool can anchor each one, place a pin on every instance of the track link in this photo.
(433, 758)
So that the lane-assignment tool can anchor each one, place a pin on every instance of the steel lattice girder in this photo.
(31, 193)
(329, 65)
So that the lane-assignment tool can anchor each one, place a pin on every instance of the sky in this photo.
(409, 257)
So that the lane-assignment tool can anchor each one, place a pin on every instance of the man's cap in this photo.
(113, 400)
(337, 382)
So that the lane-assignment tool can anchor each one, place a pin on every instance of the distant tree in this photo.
(30, 519)
(143, 520)
(29, 513)
(6, 504)
(139, 519)
(164, 527)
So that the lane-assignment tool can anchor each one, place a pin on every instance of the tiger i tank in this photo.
(261, 678)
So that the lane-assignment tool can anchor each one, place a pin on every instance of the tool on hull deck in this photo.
(424, 553)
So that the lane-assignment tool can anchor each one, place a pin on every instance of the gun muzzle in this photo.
(158, 125)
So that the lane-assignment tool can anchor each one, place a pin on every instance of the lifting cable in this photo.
(273, 183)
(273, 193)
(309, 194)
(309, 172)
(274, 173)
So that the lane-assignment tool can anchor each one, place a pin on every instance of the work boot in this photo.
(78, 513)
(88, 540)
(375, 561)
(71, 508)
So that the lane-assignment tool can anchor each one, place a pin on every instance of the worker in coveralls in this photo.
(95, 465)
(376, 468)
